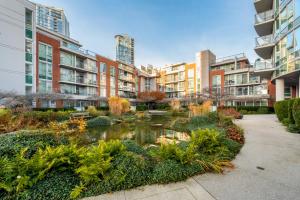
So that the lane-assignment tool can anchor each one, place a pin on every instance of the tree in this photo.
(118, 106)
(152, 96)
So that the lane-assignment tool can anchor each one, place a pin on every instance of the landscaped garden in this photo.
(288, 113)
(52, 155)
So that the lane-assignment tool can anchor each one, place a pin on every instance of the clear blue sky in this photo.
(165, 31)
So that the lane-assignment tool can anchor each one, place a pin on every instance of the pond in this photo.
(145, 132)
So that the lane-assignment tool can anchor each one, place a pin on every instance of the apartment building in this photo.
(127, 80)
(186, 80)
(277, 45)
(17, 46)
(125, 49)
(108, 77)
(53, 19)
(148, 79)
(63, 67)
(233, 80)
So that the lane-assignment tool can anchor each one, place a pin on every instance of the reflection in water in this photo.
(143, 132)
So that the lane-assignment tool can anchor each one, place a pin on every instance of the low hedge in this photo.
(141, 107)
(99, 121)
(288, 112)
(253, 109)
(53, 109)
(281, 109)
(48, 116)
(296, 112)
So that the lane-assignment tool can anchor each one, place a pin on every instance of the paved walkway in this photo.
(268, 167)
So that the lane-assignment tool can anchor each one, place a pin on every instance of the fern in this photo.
(77, 191)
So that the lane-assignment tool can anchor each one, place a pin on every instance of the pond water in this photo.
(152, 131)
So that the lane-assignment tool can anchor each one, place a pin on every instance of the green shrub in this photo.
(243, 112)
(262, 110)
(290, 111)
(99, 121)
(293, 128)
(162, 106)
(94, 112)
(252, 109)
(286, 121)
(49, 115)
(296, 111)
(281, 109)
(175, 152)
(208, 141)
(141, 107)
(225, 121)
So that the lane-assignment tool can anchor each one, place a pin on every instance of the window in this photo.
(112, 71)
(45, 68)
(102, 67)
(290, 41)
(67, 59)
(216, 81)
(191, 73)
(102, 91)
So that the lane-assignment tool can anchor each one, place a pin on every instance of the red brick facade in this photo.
(109, 63)
(214, 73)
(41, 38)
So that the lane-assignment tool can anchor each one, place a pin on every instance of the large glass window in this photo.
(67, 59)
(45, 68)
(216, 80)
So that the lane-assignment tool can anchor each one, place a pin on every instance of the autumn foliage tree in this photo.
(152, 96)
(195, 110)
(175, 105)
(118, 106)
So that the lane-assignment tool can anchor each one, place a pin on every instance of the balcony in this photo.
(263, 5)
(126, 78)
(264, 46)
(264, 68)
(78, 50)
(264, 23)
(126, 68)
(79, 66)
(126, 88)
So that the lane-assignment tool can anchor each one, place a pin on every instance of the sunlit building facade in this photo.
(278, 45)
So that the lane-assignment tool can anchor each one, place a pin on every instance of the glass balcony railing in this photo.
(263, 65)
(264, 41)
(264, 17)
(78, 49)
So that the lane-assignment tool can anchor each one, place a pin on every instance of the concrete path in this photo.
(268, 167)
